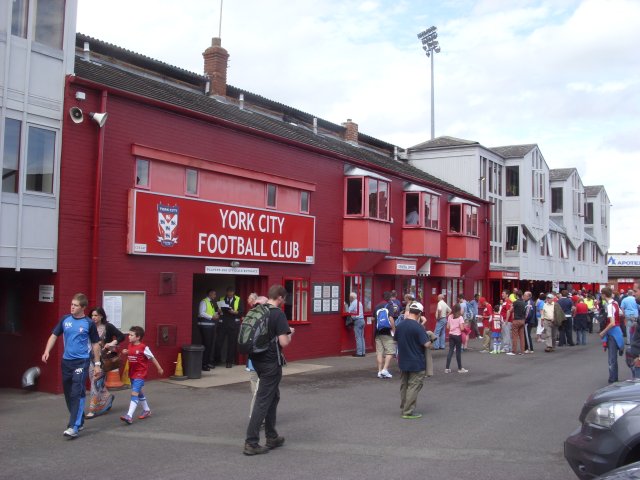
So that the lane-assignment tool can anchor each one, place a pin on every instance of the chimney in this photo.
(351, 132)
(215, 67)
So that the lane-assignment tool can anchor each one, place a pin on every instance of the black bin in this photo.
(192, 360)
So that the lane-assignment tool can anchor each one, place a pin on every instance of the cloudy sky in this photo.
(564, 74)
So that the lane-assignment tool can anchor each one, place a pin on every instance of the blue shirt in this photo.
(473, 305)
(629, 306)
(566, 304)
(411, 337)
(78, 335)
(539, 307)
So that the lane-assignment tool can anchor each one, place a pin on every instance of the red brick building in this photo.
(193, 184)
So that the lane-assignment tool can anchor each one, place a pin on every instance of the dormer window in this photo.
(421, 207)
(367, 195)
(463, 217)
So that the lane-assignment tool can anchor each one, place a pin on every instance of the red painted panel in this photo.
(446, 270)
(421, 241)
(366, 234)
(460, 247)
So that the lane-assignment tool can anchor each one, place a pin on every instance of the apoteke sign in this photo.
(184, 227)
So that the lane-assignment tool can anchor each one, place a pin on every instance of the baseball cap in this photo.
(416, 306)
(550, 295)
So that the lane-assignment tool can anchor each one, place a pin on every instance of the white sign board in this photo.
(231, 270)
(45, 293)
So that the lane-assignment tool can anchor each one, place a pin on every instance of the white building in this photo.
(540, 236)
(37, 47)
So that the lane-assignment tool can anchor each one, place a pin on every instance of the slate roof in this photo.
(125, 80)
(444, 141)
(513, 151)
(559, 174)
(592, 190)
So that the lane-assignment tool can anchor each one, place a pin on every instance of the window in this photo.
(594, 253)
(50, 22)
(192, 181)
(556, 200)
(304, 202)
(40, 160)
(543, 246)
(563, 247)
(362, 287)
(588, 219)
(11, 156)
(376, 193)
(354, 196)
(471, 220)
(513, 181)
(11, 305)
(19, 16)
(271, 195)
(297, 302)
(581, 252)
(421, 209)
(525, 242)
(142, 173)
(512, 239)
(549, 245)
(455, 218)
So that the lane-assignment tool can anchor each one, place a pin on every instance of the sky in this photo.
(563, 74)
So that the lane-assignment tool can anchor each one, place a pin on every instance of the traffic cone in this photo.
(179, 375)
(125, 376)
(112, 381)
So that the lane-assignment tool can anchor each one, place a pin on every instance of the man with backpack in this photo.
(267, 360)
(385, 326)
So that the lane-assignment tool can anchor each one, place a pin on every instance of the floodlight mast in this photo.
(430, 46)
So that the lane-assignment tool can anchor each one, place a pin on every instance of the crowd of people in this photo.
(512, 327)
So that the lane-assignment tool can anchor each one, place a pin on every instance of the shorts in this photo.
(385, 345)
(495, 334)
(137, 384)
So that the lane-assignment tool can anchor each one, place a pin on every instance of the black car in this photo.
(609, 435)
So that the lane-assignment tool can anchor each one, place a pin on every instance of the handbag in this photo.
(348, 321)
(110, 361)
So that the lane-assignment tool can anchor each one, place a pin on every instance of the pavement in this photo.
(506, 419)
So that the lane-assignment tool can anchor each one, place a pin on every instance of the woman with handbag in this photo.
(101, 400)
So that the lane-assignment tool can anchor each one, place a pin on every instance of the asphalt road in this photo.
(506, 419)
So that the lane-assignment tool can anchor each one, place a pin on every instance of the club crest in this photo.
(168, 225)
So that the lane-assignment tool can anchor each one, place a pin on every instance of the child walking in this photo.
(455, 324)
(138, 355)
(496, 329)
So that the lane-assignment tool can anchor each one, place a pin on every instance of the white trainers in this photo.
(447, 370)
(70, 432)
(385, 374)
(463, 370)
(380, 374)
(510, 353)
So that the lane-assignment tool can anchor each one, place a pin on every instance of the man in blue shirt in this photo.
(566, 329)
(80, 336)
(412, 340)
(629, 307)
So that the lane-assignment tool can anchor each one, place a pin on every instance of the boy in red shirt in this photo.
(496, 324)
(138, 355)
(487, 313)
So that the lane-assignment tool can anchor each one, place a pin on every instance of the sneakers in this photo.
(126, 419)
(144, 414)
(447, 370)
(484, 350)
(412, 416)
(254, 449)
(495, 352)
(275, 442)
(70, 432)
(380, 374)
(463, 370)
(510, 353)
(384, 374)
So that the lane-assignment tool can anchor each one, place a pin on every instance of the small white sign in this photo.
(113, 309)
(406, 266)
(45, 293)
(232, 271)
(140, 248)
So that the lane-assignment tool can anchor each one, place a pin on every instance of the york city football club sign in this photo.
(176, 226)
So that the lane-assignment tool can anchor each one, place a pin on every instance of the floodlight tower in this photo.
(430, 46)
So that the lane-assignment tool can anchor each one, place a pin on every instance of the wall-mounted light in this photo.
(482, 179)
(235, 264)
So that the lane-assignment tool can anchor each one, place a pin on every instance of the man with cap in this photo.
(548, 321)
(412, 340)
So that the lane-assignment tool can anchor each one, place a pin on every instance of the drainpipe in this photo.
(95, 248)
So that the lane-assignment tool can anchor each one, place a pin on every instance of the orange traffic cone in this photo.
(125, 376)
(179, 375)
(112, 381)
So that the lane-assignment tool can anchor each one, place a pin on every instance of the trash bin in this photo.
(192, 355)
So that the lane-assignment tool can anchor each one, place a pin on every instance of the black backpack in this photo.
(253, 336)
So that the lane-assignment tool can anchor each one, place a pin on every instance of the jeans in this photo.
(266, 403)
(581, 337)
(440, 331)
(635, 372)
(358, 330)
(74, 377)
(612, 357)
(566, 335)
(410, 385)
(631, 326)
(455, 343)
(506, 337)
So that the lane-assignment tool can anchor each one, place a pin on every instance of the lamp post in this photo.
(430, 46)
